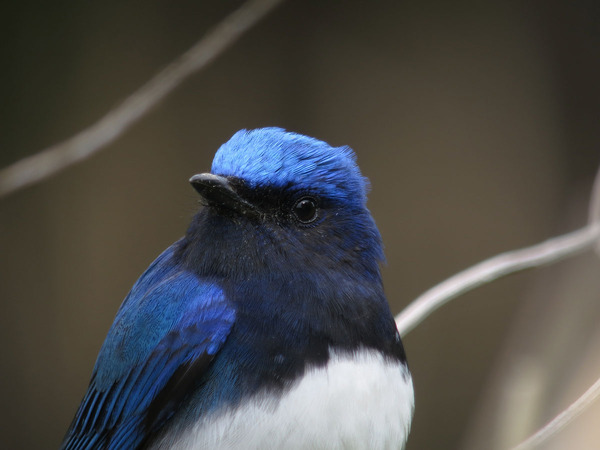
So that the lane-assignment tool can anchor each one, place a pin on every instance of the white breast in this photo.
(354, 402)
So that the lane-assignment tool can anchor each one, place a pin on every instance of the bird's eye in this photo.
(305, 209)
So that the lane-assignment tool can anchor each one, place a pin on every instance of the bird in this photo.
(266, 325)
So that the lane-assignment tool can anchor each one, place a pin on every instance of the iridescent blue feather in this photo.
(169, 324)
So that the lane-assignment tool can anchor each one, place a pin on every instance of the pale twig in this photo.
(491, 269)
(593, 393)
(503, 264)
(562, 419)
(594, 211)
(37, 167)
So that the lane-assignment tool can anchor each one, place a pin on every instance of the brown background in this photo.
(477, 123)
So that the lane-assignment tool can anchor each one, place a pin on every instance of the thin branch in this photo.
(36, 168)
(594, 211)
(491, 269)
(562, 419)
(593, 393)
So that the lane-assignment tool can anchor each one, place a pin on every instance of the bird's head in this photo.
(288, 195)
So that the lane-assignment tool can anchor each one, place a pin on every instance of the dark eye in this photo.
(305, 209)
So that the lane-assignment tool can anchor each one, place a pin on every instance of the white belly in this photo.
(355, 402)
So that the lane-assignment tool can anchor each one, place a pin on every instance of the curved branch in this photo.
(37, 167)
(562, 419)
(491, 269)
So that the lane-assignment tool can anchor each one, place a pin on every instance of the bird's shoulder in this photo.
(165, 334)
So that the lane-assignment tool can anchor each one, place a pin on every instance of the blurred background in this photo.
(477, 123)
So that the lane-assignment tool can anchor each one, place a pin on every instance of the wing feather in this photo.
(165, 335)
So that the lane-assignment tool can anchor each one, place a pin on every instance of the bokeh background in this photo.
(477, 123)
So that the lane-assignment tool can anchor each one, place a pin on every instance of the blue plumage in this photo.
(170, 321)
(276, 158)
(278, 273)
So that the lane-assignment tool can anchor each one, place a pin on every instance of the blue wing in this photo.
(164, 336)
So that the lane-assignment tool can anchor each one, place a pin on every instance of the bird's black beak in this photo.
(218, 191)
